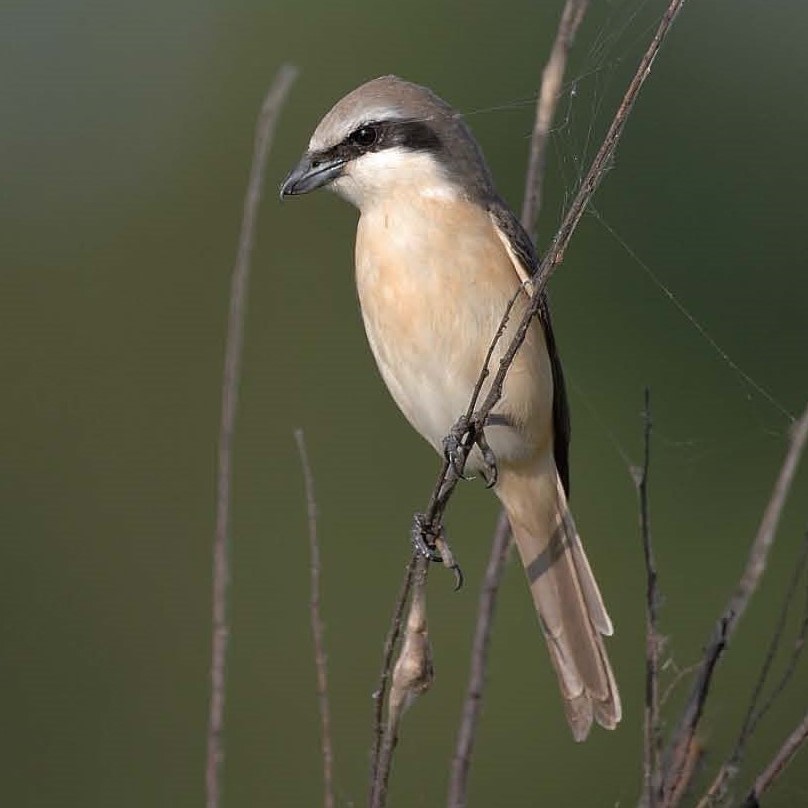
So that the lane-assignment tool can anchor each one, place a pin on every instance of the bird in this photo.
(438, 258)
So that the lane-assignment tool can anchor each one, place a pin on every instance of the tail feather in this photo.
(571, 612)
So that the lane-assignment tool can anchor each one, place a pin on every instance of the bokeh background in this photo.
(126, 136)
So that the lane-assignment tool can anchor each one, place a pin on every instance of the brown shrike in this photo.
(438, 258)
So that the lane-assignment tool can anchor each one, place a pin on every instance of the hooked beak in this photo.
(311, 172)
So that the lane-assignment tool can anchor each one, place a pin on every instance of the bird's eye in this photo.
(365, 136)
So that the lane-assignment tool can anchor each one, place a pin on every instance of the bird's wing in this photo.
(525, 263)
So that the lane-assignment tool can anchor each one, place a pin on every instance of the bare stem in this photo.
(317, 630)
(727, 623)
(730, 768)
(381, 752)
(799, 642)
(778, 764)
(448, 478)
(472, 704)
(651, 723)
(551, 79)
(546, 104)
(264, 132)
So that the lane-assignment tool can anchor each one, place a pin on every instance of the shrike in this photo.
(438, 258)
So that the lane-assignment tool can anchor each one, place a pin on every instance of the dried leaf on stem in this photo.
(450, 475)
(378, 780)
(412, 676)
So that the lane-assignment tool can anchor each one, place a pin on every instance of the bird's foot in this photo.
(490, 471)
(432, 545)
(464, 435)
(424, 539)
(455, 448)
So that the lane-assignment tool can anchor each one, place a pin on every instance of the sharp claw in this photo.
(449, 561)
(454, 450)
(437, 551)
(459, 579)
(489, 459)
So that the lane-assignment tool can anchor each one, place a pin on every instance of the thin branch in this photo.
(730, 768)
(551, 79)
(547, 102)
(412, 676)
(472, 704)
(317, 630)
(449, 476)
(725, 627)
(678, 677)
(450, 473)
(784, 756)
(603, 159)
(264, 132)
(796, 652)
(692, 755)
(378, 780)
(381, 780)
(651, 723)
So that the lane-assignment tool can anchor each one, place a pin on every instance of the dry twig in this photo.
(412, 676)
(799, 642)
(546, 104)
(678, 677)
(730, 768)
(264, 132)
(450, 475)
(317, 630)
(651, 723)
(778, 764)
(551, 79)
(458, 780)
(379, 754)
(725, 627)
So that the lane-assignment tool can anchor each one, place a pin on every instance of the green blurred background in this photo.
(126, 137)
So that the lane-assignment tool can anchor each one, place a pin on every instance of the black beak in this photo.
(311, 172)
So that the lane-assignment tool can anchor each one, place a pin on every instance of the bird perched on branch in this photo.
(439, 257)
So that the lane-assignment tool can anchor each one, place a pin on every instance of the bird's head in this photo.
(386, 136)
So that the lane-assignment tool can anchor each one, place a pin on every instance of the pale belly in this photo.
(433, 284)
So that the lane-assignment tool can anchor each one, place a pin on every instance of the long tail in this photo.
(565, 593)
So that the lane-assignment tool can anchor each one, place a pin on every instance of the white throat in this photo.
(380, 176)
